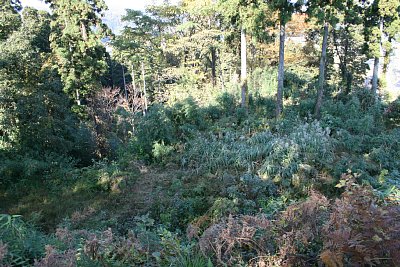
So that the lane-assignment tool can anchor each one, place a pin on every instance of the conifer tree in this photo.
(382, 25)
(201, 35)
(10, 20)
(139, 46)
(285, 11)
(248, 18)
(325, 13)
(77, 31)
(35, 114)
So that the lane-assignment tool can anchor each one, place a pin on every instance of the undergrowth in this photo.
(228, 187)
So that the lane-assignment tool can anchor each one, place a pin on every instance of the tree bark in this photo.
(133, 80)
(321, 78)
(123, 75)
(144, 89)
(243, 73)
(221, 73)
(345, 72)
(134, 93)
(374, 88)
(214, 66)
(385, 51)
(281, 69)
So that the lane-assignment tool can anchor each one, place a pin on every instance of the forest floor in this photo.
(132, 195)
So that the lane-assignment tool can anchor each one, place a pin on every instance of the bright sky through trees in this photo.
(116, 6)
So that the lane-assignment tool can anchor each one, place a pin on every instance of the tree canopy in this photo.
(200, 133)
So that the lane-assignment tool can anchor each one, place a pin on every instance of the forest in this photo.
(200, 133)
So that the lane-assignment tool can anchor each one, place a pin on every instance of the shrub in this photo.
(19, 171)
(236, 240)
(385, 151)
(161, 152)
(249, 193)
(21, 243)
(300, 227)
(227, 102)
(360, 230)
(186, 112)
(263, 82)
(155, 127)
(289, 159)
(292, 158)
(227, 149)
(392, 114)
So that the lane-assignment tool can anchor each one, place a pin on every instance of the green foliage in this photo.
(23, 169)
(280, 158)
(23, 242)
(10, 20)
(124, 182)
(161, 152)
(392, 114)
(164, 127)
(76, 41)
(40, 138)
(293, 157)
(155, 127)
(248, 15)
(263, 82)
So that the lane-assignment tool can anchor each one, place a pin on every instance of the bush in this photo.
(392, 114)
(290, 160)
(227, 102)
(360, 230)
(299, 231)
(155, 127)
(21, 170)
(236, 240)
(161, 152)
(226, 150)
(20, 242)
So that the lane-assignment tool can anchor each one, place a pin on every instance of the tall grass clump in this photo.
(277, 157)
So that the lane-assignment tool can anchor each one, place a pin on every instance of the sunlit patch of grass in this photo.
(95, 189)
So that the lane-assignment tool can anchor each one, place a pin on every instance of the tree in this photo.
(35, 114)
(247, 17)
(285, 11)
(139, 46)
(325, 12)
(348, 42)
(10, 20)
(201, 36)
(382, 25)
(77, 31)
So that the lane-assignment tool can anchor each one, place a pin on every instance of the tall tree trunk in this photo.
(221, 73)
(214, 65)
(386, 62)
(374, 88)
(243, 73)
(134, 93)
(133, 80)
(375, 74)
(346, 74)
(144, 89)
(321, 78)
(386, 54)
(123, 76)
(281, 69)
